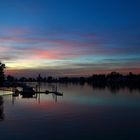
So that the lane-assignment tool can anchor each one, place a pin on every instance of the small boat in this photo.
(47, 92)
(55, 92)
(27, 91)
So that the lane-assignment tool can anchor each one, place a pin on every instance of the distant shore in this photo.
(111, 80)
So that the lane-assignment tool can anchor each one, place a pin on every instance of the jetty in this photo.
(25, 90)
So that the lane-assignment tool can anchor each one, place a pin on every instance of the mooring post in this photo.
(36, 91)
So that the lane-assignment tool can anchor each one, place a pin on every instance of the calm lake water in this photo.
(83, 113)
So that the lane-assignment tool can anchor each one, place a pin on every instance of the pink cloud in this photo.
(4, 49)
(51, 54)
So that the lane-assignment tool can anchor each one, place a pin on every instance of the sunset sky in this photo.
(69, 37)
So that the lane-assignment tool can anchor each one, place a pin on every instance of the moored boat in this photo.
(55, 92)
(27, 91)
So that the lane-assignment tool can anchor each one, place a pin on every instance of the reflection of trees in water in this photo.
(115, 88)
(1, 108)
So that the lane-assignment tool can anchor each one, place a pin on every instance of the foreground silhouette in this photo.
(2, 76)
(1, 109)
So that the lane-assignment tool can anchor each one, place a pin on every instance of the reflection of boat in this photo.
(27, 91)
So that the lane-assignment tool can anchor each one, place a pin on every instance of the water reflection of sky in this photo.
(83, 112)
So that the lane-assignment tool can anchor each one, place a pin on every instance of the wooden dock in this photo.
(37, 90)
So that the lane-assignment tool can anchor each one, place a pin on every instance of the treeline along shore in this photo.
(113, 79)
(100, 80)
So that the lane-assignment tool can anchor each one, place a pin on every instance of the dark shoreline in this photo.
(112, 79)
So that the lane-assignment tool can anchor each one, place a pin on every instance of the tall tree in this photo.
(2, 76)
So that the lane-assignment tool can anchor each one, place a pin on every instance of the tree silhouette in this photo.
(10, 78)
(2, 76)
